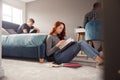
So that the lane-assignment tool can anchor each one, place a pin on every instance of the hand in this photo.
(60, 43)
(25, 31)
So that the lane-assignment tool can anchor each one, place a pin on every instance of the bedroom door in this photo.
(112, 39)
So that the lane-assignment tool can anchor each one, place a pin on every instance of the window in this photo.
(11, 14)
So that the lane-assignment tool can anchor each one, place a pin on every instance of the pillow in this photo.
(11, 31)
(4, 32)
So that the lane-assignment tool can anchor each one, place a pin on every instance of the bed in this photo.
(24, 45)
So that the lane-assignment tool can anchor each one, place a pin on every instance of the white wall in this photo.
(71, 12)
(1, 69)
(18, 4)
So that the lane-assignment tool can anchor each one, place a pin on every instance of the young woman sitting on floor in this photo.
(56, 38)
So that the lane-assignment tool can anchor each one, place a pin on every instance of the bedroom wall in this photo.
(18, 4)
(71, 12)
(1, 69)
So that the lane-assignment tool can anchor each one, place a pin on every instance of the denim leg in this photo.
(90, 51)
(67, 55)
(72, 51)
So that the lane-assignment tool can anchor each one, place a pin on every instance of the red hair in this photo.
(63, 33)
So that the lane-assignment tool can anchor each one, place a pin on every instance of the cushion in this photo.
(4, 32)
(11, 31)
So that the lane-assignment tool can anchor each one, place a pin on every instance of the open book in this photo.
(67, 44)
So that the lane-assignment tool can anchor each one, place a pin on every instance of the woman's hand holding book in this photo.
(60, 43)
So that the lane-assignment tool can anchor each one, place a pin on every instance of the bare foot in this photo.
(99, 60)
(41, 60)
(101, 54)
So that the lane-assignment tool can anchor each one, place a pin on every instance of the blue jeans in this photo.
(67, 55)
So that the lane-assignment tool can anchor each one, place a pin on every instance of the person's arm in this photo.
(50, 49)
(85, 21)
(24, 28)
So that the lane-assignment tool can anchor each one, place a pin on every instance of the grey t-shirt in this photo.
(51, 42)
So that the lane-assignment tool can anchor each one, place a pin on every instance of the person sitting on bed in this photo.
(56, 38)
(28, 27)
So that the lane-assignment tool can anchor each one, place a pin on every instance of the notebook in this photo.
(67, 44)
(72, 65)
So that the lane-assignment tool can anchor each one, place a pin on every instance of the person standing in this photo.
(94, 14)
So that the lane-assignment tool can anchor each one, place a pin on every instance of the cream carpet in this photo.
(33, 70)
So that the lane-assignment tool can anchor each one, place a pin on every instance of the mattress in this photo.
(23, 40)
